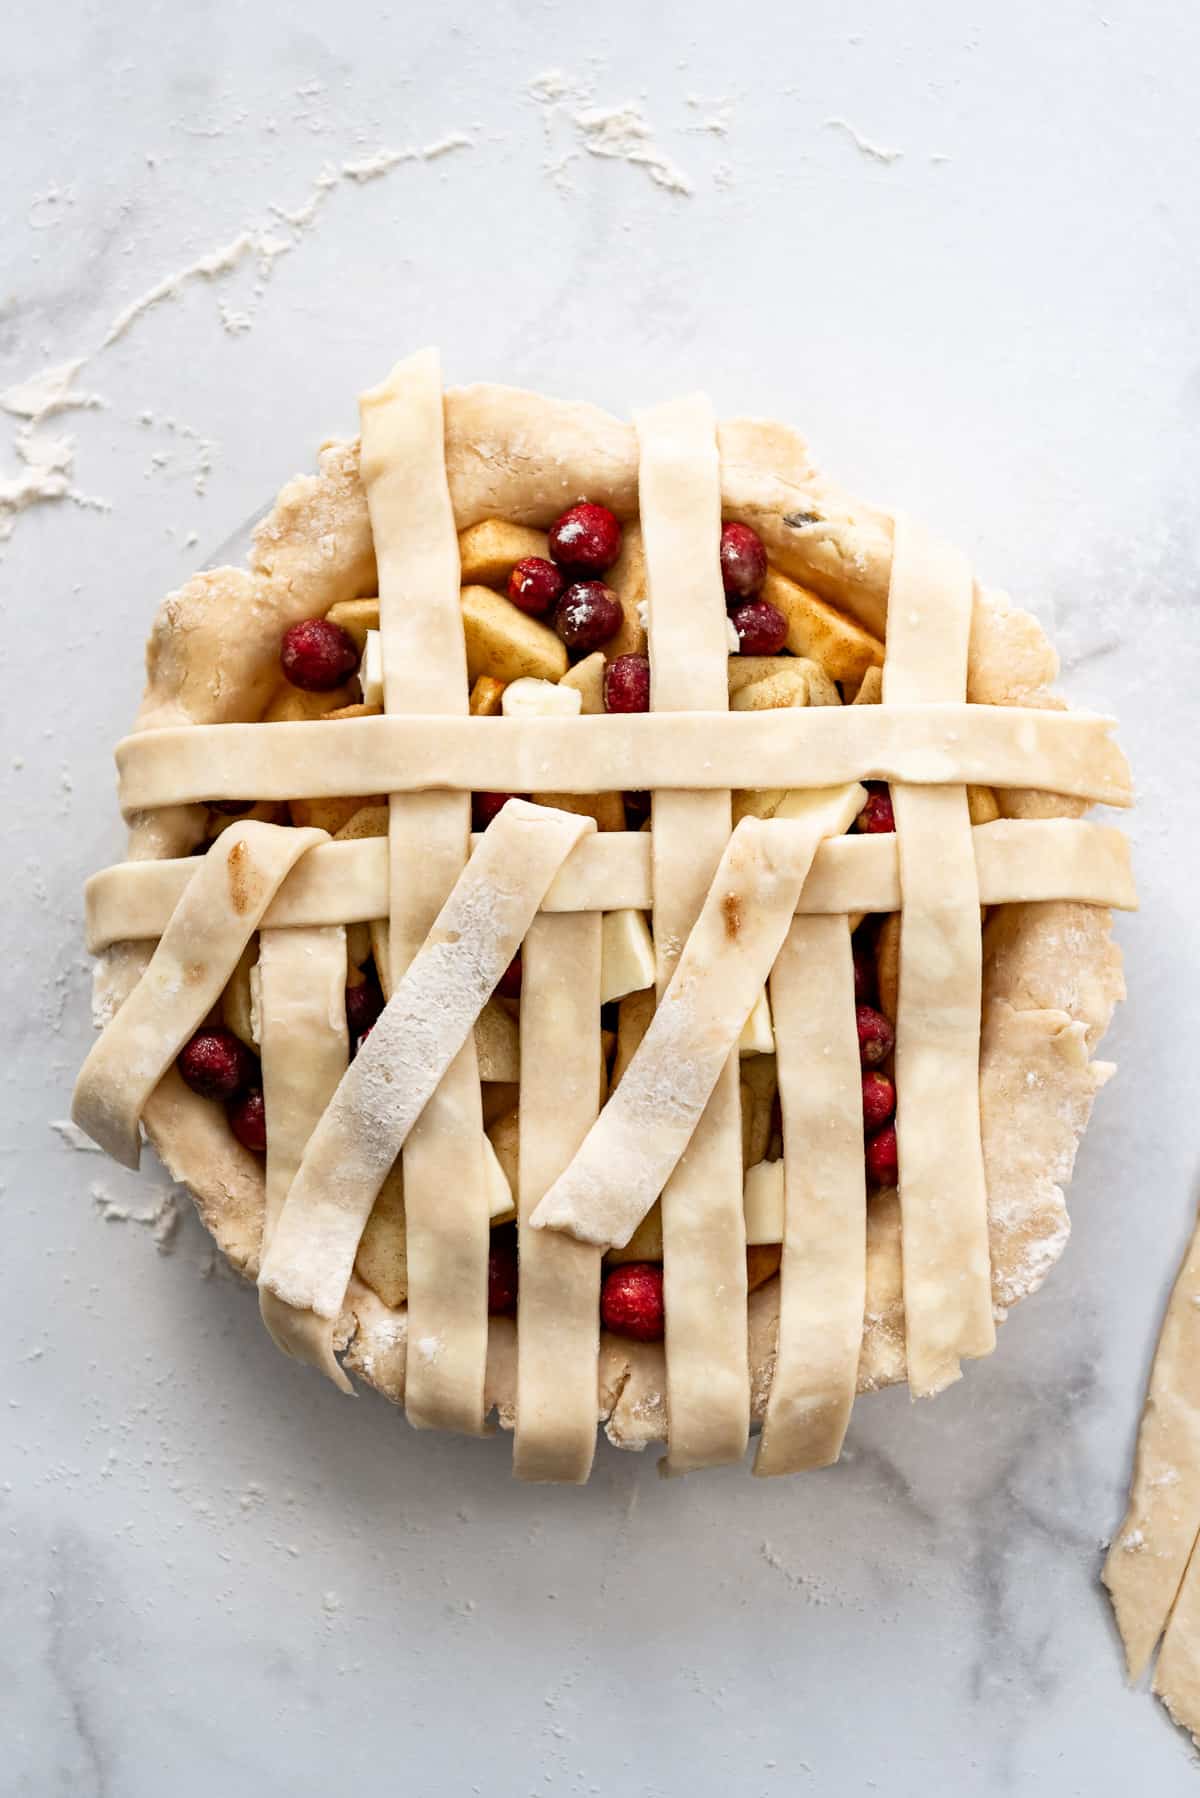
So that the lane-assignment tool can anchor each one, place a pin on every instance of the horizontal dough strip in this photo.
(819, 746)
(1019, 861)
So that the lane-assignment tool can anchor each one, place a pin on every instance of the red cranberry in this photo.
(215, 1064)
(502, 1273)
(509, 986)
(248, 1120)
(318, 655)
(882, 1160)
(364, 1003)
(879, 1100)
(535, 584)
(743, 561)
(586, 539)
(864, 975)
(486, 806)
(589, 614)
(631, 1301)
(877, 817)
(627, 685)
(637, 809)
(876, 1038)
(762, 631)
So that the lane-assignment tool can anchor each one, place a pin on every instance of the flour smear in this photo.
(45, 459)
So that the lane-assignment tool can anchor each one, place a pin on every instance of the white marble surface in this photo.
(218, 1576)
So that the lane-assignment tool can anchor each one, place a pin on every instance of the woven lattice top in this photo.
(767, 903)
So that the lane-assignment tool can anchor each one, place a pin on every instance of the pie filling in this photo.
(602, 1058)
(572, 661)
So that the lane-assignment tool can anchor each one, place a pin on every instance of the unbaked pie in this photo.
(550, 942)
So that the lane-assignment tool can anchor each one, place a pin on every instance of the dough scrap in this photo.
(1151, 1557)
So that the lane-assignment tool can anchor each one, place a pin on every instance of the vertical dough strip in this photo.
(943, 1196)
(823, 1276)
(704, 1233)
(305, 1052)
(425, 670)
(558, 1316)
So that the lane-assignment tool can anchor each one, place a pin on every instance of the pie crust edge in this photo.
(1052, 974)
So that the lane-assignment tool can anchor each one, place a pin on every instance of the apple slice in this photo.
(497, 1043)
(626, 955)
(760, 1083)
(528, 697)
(382, 1259)
(292, 705)
(815, 629)
(627, 579)
(871, 690)
(758, 1036)
(489, 550)
(507, 643)
(370, 671)
(502, 1205)
(646, 1243)
(504, 1136)
(356, 617)
(588, 677)
(762, 1264)
(887, 964)
(486, 695)
(763, 1202)
(237, 1011)
(633, 1020)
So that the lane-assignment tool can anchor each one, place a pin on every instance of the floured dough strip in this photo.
(305, 1045)
(1177, 1673)
(647, 1124)
(703, 1224)
(425, 671)
(1017, 860)
(215, 918)
(558, 1315)
(419, 1032)
(943, 1194)
(305, 1052)
(805, 746)
(1151, 1549)
(823, 1277)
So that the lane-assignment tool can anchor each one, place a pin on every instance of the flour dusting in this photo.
(613, 133)
(74, 1137)
(162, 1219)
(45, 471)
(867, 146)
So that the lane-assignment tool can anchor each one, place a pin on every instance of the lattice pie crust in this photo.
(994, 1030)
